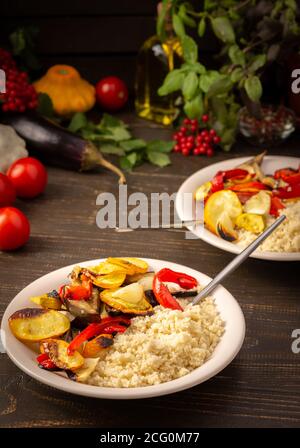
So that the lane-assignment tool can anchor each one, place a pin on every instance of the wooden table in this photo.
(260, 388)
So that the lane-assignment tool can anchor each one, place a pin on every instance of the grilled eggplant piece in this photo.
(35, 324)
(83, 311)
(151, 298)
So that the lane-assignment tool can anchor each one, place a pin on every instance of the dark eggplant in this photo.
(185, 294)
(151, 298)
(83, 312)
(112, 311)
(57, 146)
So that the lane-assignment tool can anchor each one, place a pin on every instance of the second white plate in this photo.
(185, 212)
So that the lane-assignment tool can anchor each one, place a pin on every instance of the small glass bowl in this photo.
(276, 125)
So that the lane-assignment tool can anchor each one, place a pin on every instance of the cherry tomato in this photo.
(111, 93)
(29, 177)
(7, 191)
(14, 228)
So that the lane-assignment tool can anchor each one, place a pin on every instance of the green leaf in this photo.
(228, 136)
(111, 149)
(207, 80)
(253, 88)
(22, 41)
(223, 29)
(132, 158)
(130, 145)
(190, 86)
(173, 81)
(118, 133)
(18, 41)
(220, 86)
(190, 49)
(78, 122)
(291, 4)
(237, 74)
(160, 146)
(45, 105)
(236, 55)
(194, 107)
(178, 26)
(257, 62)
(125, 163)
(186, 19)
(158, 158)
(202, 27)
(108, 121)
(195, 67)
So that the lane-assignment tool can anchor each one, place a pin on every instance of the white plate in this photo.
(224, 353)
(185, 212)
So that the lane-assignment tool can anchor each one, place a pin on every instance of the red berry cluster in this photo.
(20, 95)
(192, 139)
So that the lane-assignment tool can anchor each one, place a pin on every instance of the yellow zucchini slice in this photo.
(109, 281)
(220, 212)
(131, 265)
(36, 324)
(47, 302)
(251, 222)
(57, 351)
(202, 192)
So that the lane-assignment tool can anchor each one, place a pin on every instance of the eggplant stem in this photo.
(105, 163)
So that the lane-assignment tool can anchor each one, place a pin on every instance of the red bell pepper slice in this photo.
(184, 280)
(276, 205)
(290, 192)
(45, 362)
(163, 295)
(284, 172)
(237, 173)
(115, 328)
(292, 180)
(95, 329)
(78, 292)
(161, 292)
(217, 182)
(245, 195)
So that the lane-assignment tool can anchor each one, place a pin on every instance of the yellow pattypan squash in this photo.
(67, 90)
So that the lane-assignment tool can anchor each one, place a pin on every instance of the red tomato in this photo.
(29, 177)
(7, 191)
(14, 228)
(111, 93)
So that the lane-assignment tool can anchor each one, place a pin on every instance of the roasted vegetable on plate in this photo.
(244, 197)
(76, 323)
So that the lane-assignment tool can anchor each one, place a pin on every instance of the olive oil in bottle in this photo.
(155, 60)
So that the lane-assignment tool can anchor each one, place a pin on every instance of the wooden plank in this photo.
(86, 35)
(260, 388)
(93, 35)
(15, 8)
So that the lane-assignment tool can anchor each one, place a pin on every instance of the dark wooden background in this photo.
(262, 385)
(98, 37)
